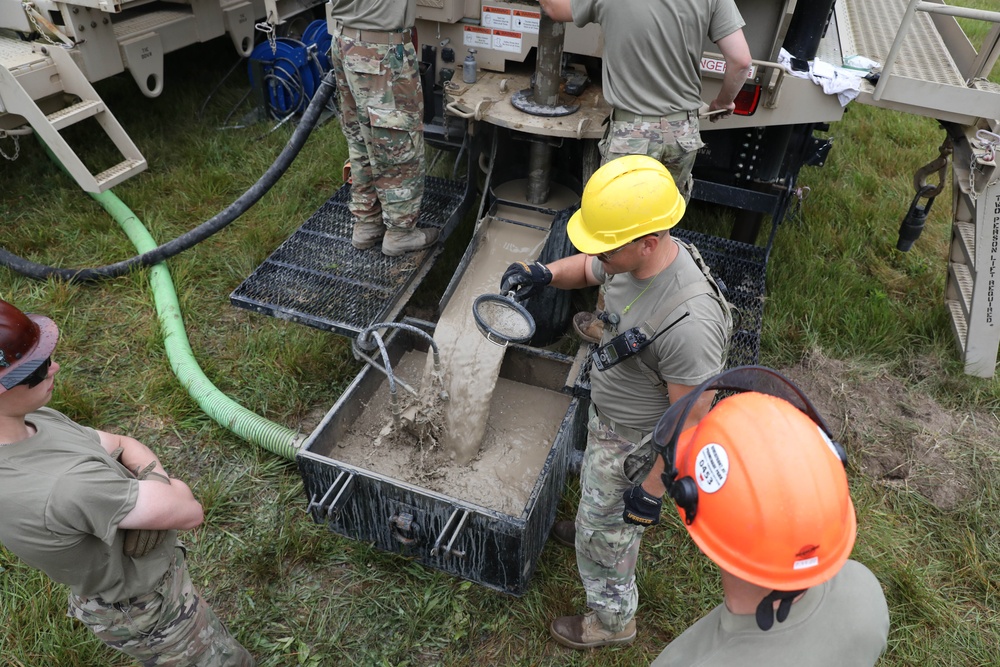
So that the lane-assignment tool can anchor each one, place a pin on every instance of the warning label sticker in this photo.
(718, 66)
(495, 17)
(526, 21)
(711, 467)
(476, 37)
(506, 40)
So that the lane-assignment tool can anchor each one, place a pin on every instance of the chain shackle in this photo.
(939, 166)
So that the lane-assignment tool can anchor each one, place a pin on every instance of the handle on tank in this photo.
(340, 491)
(402, 523)
(453, 527)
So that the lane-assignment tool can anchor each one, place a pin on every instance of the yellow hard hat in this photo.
(627, 198)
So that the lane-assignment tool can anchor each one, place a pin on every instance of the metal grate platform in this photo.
(317, 278)
(742, 267)
(923, 56)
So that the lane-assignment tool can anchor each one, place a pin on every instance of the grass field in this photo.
(868, 320)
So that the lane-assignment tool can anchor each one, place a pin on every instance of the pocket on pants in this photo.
(687, 135)
(363, 60)
(392, 133)
(614, 147)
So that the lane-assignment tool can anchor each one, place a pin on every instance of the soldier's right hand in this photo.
(524, 280)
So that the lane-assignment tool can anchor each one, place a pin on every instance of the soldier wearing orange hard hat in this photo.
(761, 487)
(666, 330)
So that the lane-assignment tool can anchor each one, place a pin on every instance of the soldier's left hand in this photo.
(641, 508)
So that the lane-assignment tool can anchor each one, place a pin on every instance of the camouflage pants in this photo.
(607, 548)
(675, 143)
(382, 108)
(170, 626)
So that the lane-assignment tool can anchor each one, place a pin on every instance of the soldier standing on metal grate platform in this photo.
(96, 511)
(381, 107)
(661, 298)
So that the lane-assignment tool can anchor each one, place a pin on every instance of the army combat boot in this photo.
(564, 533)
(588, 327)
(367, 234)
(398, 241)
(587, 631)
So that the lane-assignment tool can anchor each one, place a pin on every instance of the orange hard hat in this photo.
(773, 506)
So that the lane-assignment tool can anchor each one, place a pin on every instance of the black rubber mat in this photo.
(316, 277)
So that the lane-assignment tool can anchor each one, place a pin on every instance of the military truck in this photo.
(917, 59)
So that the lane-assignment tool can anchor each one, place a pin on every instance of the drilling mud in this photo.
(517, 436)
(470, 361)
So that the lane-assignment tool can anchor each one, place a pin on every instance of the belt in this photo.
(629, 117)
(378, 36)
(627, 432)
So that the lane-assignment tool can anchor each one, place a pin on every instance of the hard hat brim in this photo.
(48, 335)
(584, 240)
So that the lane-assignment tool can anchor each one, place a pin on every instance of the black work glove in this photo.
(641, 509)
(524, 279)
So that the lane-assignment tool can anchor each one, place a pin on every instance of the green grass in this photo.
(295, 593)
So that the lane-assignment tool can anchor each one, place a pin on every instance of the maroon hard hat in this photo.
(26, 341)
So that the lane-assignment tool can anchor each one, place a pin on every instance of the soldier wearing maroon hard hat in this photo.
(97, 512)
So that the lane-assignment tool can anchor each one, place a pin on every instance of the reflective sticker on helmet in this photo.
(829, 443)
(805, 564)
(711, 467)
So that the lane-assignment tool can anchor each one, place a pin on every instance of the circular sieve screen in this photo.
(504, 320)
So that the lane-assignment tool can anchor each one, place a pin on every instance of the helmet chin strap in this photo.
(765, 610)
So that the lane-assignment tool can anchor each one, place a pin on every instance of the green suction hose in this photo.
(251, 427)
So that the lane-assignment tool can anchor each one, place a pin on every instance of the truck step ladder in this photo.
(83, 102)
(974, 261)
(930, 69)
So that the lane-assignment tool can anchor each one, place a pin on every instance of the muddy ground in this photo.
(895, 434)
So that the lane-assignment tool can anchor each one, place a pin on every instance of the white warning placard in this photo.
(495, 17)
(477, 38)
(526, 21)
(507, 40)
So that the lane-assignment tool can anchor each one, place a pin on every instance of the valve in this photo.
(913, 221)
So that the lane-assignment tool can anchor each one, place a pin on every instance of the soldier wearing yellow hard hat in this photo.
(665, 331)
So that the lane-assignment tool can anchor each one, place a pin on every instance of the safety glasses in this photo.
(38, 375)
(606, 256)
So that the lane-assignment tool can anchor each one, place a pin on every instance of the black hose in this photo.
(204, 230)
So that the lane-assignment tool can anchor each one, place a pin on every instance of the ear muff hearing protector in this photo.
(760, 379)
